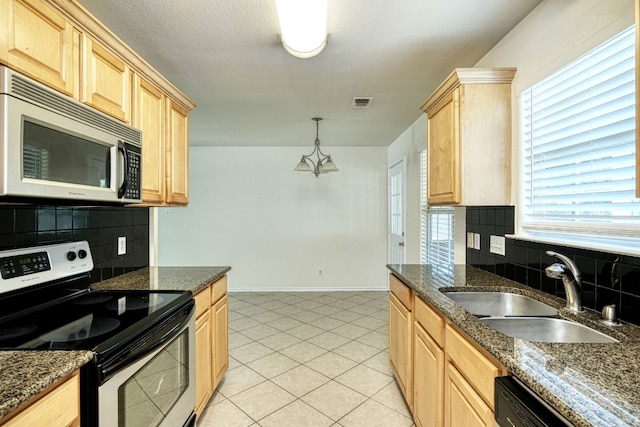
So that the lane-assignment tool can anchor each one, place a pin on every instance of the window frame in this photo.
(583, 234)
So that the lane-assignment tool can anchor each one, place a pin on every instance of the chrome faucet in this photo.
(570, 275)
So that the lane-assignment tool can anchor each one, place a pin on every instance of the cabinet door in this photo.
(59, 407)
(149, 118)
(203, 362)
(400, 346)
(177, 154)
(106, 81)
(462, 405)
(443, 153)
(428, 379)
(220, 339)
(38, 42)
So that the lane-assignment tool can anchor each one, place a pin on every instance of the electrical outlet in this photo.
(319, 272)
(168, 211)
(122, 245)
(476, 241)
(496, 245)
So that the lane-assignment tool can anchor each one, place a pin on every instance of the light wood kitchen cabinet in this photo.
(57, 407)
(479, 369)
(165, 145)
(177, 154)
(447, 379)
(38, 42)
(149, 117)
(212, 338)
(203, 349)
(462, 405)
(400, 336)
(60, 44)
(220, 331)
(469, 138)
(428, 365)
(106, 81)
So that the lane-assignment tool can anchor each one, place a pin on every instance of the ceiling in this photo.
(226, 56)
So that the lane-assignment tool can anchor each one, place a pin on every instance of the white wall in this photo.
(275, 227)
(407, 147)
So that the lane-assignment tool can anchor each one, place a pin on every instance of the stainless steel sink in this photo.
(545, 329)
(500, 304)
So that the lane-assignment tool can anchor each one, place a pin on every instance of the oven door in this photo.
(157, 390)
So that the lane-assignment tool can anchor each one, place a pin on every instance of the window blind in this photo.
(579, 146)
(436, 229)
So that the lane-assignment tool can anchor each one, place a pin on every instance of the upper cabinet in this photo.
(149, 116)
(177, 154)
(106, 81)
(469, 138)
(60, 44)
(40, 43)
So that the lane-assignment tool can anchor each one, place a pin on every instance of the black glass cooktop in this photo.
(87, 319)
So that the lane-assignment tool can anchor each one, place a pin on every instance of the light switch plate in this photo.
(496, 245)
(470, 240)
(476, 241)
(122, 245)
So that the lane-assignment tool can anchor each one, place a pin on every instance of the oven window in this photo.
(146, 398)
(50, 155)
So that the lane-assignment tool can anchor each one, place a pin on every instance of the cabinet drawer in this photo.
(401, 291)
(429, 319)
(203, 301)
(219, 289)
(479, 370)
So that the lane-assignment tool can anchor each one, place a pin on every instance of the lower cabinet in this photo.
(446, 377)
(58, 407)
(428, 365)
(428, 379)
(400, 326)
(212, 340)
(219, 339)
(462, 405)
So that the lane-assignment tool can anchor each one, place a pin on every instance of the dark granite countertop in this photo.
(165, 278)
(589, 384)
(25, 374)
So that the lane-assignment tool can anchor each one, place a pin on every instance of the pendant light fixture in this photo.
(303, 26)
(323, 162)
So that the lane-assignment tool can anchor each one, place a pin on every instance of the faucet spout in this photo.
(571, 279)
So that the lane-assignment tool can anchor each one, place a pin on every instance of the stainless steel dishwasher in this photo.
(517, 406)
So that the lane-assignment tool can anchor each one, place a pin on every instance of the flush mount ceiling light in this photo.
(323, 163)
(303, 26)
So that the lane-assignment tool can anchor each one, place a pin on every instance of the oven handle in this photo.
(147, 344)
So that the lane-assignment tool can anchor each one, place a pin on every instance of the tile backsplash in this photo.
(607, 278)
(30, 225)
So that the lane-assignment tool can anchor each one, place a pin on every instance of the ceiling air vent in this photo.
(361, 102)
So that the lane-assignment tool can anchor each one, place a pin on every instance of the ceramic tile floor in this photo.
(308, 359)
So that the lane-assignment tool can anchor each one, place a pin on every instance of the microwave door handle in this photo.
(125, 179)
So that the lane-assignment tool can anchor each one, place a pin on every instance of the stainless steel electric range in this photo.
(143, 342)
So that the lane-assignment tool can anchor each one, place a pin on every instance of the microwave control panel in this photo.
(134, 173)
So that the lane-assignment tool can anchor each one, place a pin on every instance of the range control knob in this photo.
(82, 254)
(71, 255)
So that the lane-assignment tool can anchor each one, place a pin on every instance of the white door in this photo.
(396, 213)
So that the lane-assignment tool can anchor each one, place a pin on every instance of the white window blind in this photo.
(579, 146)
(436, 228)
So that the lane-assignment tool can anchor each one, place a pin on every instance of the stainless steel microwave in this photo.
(53, 147)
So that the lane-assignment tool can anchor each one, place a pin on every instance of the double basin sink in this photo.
(519, 316)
